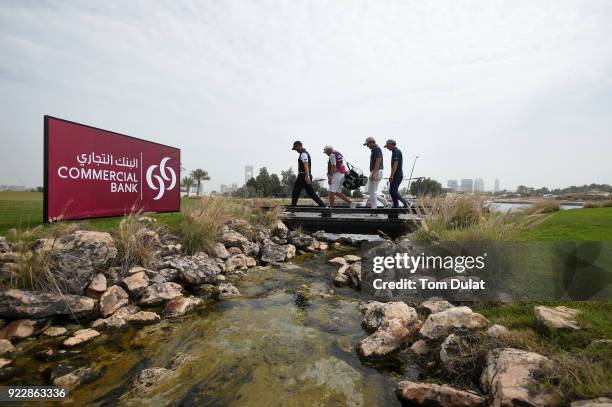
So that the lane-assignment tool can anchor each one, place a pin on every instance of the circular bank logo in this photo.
(158, 176)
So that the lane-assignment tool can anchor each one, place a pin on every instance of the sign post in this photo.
(91, 173)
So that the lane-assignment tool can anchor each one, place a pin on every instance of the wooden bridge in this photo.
(393, 222)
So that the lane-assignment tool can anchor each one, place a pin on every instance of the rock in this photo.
(323, 246)
(168, 274)
(234, 250)
(429, 394)
(148, 379)
(510, 379)
(8, 257)
(81, 336)
(441, 323)
(450, 349)
(420, 347)
(597, 402)
(300, 240)
(250, 262)
(197, 269)
(377, 312)
(236, 262)
(18, 329)
(340, 261)
(231, 238)
(82, 375)
(274, 253)
(5, 362)
(181, 305)
(342, 278)
(113, 275)
(29, 304)
(143, 318)
(388, 338)
(54, 355)
(250, 248)
(351, 258)
(6, 346)
(112, 323)
(136, 283)
(5, 247)
(113, 299)
(434, 306)
(280, 230)
(76, 257)
(159, 293)
(290, 251)
(499, 332)
(558, 318)
(55, 331)
(220, 252)
(170, 249)
(97, 286)
(226, 290)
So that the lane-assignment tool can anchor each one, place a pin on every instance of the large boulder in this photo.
(220, 252)
(181, 305)
(197, 269)
(434, 306)
(375, 313)
(113, 299)
(387, 339)
(300, 240)
(510, 379)
(558, 318)
(250, 249)
(280, 230)
(274, 253)
(440, 324)
(29, 304)
(231, 238)
(5, 247)
(77, 257)
(429, 394)
(159, 293)
(136, 283)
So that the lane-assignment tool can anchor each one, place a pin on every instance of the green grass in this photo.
(573, 224)
(23, 210)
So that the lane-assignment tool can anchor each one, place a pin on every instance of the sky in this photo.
(515, 90)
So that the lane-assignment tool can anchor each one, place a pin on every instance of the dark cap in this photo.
(296, 144)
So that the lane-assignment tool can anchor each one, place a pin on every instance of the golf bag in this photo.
(354, 178)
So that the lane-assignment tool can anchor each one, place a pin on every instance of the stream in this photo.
(267, 347)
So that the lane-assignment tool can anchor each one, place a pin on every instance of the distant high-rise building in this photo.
(223, 189)
(452, 185)
(478, 185)
(467, 185)
(248, 173)
(496, 187)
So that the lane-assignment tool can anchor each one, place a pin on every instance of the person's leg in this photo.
(330, 197)
(297, 188)
(393, 191)
(372, 191)
(344, 197)
(399, 196)
(313, 194)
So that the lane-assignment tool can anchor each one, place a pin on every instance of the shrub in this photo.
(136, 242)
(544, 206)
(591, 205)
(202, 224)
(607, 204)
(470, 218)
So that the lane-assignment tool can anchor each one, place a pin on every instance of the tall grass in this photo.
(464, 217)
(136, 242)
(543, 206)
(202, 224)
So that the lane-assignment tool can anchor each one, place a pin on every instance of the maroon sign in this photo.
(90, 172)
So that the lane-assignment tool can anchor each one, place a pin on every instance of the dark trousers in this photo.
(394, 191)
(300, 183)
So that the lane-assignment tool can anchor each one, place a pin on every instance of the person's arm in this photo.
(393, 170)
(376, 168)
(307, 172)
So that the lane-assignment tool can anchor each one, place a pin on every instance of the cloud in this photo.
(476, 88)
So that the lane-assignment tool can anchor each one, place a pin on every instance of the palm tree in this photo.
(187, 182)
(199, 175)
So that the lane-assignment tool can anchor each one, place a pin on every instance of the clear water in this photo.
(266, 348)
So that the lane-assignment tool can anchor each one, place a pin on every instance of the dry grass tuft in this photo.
(136, 242)
(541, 207)
(202, 224)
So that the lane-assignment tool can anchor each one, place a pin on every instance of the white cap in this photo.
(328, 147)
(368, 140)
